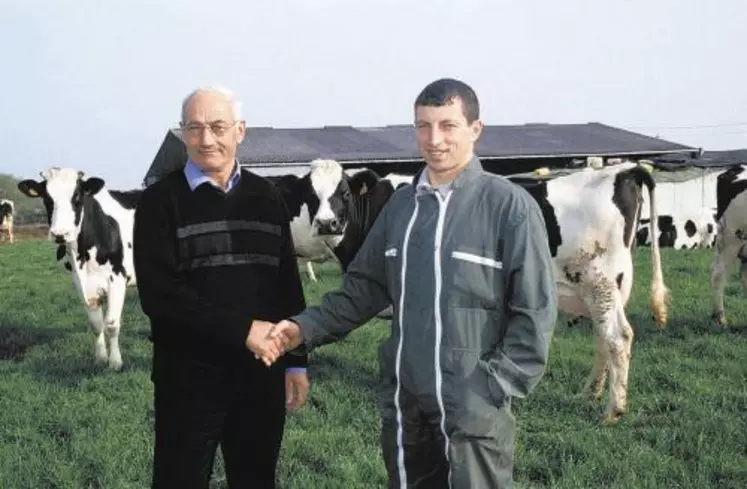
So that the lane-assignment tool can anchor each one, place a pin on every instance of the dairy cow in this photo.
(320, 205)
(731, 242)
(7, 212)
(92, 227)
(685, 232)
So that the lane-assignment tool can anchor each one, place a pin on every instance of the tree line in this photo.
(28, 210)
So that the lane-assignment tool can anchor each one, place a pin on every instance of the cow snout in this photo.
(329, 226)
(60, 237)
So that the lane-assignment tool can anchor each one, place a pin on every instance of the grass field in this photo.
(66, 424)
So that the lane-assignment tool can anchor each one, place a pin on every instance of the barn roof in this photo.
(267, 146)
(708, 159)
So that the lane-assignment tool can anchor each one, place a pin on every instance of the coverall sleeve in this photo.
(519, 362)
(363, 294)
(292, 297)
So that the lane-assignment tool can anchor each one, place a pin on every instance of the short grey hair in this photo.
(228, 94)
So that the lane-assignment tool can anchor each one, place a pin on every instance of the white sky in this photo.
(94, 84)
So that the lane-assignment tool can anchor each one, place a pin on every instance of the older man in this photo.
(215, 264)
(464, 256)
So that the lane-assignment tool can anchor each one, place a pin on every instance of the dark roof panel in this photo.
(265, 145)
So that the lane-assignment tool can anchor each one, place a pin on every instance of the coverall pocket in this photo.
(473, 405)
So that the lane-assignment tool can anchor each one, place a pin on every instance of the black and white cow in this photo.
(92, 227)
(326, 204)
(591, 218)
(685, 232)
(7, 211)
(731, 242)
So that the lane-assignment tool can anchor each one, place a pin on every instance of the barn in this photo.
(686, 183)
(504, 149)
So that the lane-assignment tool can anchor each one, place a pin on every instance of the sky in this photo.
(95, 85)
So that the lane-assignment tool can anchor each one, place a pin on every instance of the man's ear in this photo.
(476, 129)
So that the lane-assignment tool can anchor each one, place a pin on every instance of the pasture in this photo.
(67, 424)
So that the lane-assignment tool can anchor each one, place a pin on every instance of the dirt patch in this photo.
(29, 232)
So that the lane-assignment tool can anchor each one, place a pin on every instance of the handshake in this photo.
(269, 341)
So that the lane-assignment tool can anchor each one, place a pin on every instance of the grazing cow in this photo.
(7, 211)
(591, 218)
(680, 232)
(731, 242)
(92, 227)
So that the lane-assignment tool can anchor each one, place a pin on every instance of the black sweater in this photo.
(208, 263)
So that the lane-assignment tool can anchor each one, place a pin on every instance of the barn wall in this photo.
(685, 196)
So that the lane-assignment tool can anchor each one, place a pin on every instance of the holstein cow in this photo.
(92, 227)
(731, 242)
(591, 219)
(680, 232)
(320, 204)
(7, 210)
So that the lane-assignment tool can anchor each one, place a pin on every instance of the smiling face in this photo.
(211, 132)
(446, 139)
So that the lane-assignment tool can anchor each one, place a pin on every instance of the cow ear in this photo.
(31, 188)
(362, 182)
(92, 185)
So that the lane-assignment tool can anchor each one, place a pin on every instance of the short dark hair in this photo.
(444, 90)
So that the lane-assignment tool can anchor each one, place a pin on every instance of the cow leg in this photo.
(310, 271)
(613, 341)
(96, 318)
(724, 256)
(116, 300)
(595, 382)
(94, 312)
(620, 351)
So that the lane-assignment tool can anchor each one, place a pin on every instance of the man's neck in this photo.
(221, 177)
(448, 176)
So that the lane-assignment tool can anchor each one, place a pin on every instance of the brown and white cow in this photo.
(591, 219)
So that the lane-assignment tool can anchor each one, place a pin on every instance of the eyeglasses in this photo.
(194, 129)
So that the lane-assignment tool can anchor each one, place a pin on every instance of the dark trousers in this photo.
(200, 405)
(480, 452)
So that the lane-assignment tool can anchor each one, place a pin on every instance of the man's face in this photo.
(445, 139)
(210, 132)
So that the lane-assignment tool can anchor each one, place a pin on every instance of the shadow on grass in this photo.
(16, 339)
(68, 367)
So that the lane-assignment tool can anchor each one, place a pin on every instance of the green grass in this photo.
(67, 424)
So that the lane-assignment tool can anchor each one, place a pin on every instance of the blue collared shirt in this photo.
(196, 177)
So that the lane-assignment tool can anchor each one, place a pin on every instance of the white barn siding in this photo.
(685, 196)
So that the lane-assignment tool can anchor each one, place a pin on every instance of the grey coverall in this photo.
(471, 280)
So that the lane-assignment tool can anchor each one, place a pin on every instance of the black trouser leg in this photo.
(254, 428)
(190, 411)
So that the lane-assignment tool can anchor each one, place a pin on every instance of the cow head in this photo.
(63, 191)
(331, 196)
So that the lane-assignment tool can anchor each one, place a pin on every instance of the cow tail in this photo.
(659, 297)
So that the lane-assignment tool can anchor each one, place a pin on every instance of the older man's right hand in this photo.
(259, 342)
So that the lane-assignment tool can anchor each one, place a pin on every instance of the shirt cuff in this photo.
(295, 370)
